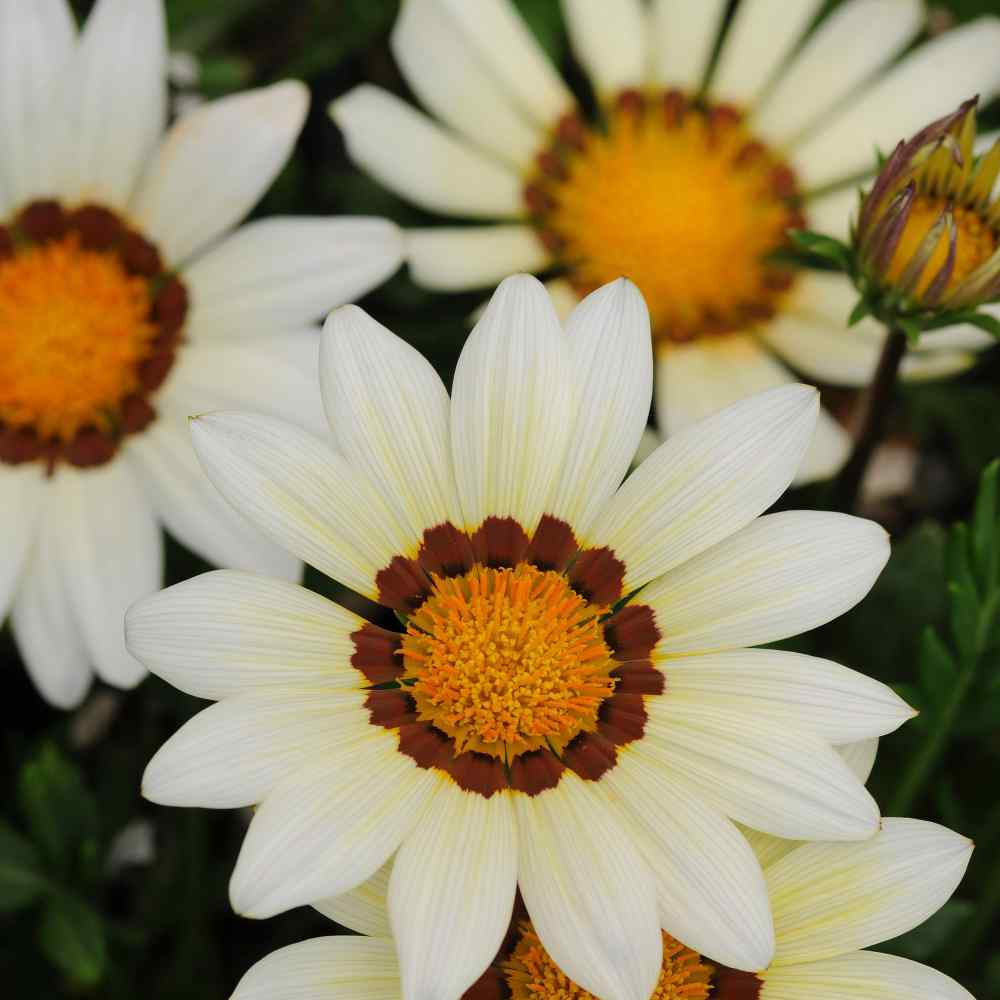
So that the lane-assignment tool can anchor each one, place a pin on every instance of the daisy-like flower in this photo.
(830, 901)
(566, 707)
(125, 305)
(685, 178)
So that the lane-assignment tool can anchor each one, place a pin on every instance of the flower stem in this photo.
(874, 411)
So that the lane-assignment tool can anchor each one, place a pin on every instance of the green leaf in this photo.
(964, 618)
(938, 670)
(859, 312)
(71, 935)
(821, 245)
(985, 322)
(985, 527)
(21, 878)
(59, 810)
(545, 21)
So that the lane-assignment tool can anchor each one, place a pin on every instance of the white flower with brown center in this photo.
(566, 707)
(684, 177)
(125, 305)
(830, 901)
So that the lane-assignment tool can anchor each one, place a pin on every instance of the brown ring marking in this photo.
(552, 545)
(632, 632)
(733, 984)
(446, 551)
(597, 576)
(535, 772)
(376, 653)
(499, 542)
(402, 585)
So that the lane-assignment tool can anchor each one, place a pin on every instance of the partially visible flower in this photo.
(127, 302)
(830, 901)
(927, 238)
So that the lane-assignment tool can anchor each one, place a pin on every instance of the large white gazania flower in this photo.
(125, 306)
(829, 902)
(685, 178)
(566, 708)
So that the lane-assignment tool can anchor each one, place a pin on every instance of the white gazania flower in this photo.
(685, 179)
(125, 305)
(567, 708)
(830, 901)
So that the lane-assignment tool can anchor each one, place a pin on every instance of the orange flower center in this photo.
(508, 660)
(532, 975)
(683, 200)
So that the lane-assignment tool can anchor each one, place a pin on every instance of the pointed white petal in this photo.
(683, 39)
(21, 499)
(590, 895)
(512, 406)
(848, 48)
(709, 885)
(761, 35)
(452, 81)
(234, 753)
(301, 495)
(610, 42)
(364, 909)
(860, 756)
(330, 826)
(388, 410)
(112, 554)
(215, 163)
(928, 83)
(860, 975)
(36, 43)
(784, 781)
(838, 704)
(328, 968)
(707, 481)
(829, 899)
(115, 98)
(453, 259)
(782, 575)
(612, 358)
(227, 632)
(416, 158)
(452, 892)
(274, 275)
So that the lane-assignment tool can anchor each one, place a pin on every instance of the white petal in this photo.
(115, 98)
(929, 83)
(590, 895)
(860, 975)
(782, 780)
(781, 575)
(42, 621)
(838, 704)
(695, 381)
(860, 756)
(683, 39)
(36, 44)
(234, 753)
(192, 509)
(761, 35)
(276, 375)
(709, 885)
(829, 899)
(707, 481)
(21, 499)
(453, 258)
(512, 406)
(301, 495)
(330, 826)
(416, 158)
(610, 42)
(611, 354)
(849, 47)
(364, 909)
(388, 410)
(451, 893)
(215, 163)
(227, 632)
(509, 48)
(279, 274)
(329, 968)
(452, 81)
(112, 554)
(564, 297)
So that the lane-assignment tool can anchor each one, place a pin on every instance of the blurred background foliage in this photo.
(103, 894)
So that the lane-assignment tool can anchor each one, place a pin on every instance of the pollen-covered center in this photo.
(975, 243)
(532, 975)
(508, 660)
(89, 323)
(680, 198)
